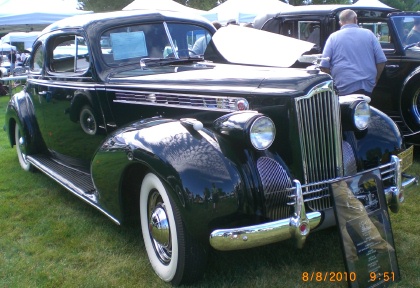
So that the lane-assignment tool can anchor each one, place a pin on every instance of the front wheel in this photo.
(21, 147)
(174, 255)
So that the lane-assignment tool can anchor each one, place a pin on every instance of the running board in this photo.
(77, 182)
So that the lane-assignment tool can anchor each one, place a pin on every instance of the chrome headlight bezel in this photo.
(262, 133)
(361, 115)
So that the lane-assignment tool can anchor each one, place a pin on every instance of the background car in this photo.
(397, 91)
(202, 154)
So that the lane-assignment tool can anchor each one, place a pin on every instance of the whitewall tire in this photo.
(174, 256)
(21, 147)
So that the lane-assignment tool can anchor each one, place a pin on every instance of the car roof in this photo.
(118, 17)
(330, 9)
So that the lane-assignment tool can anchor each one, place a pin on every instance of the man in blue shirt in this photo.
(356, 59)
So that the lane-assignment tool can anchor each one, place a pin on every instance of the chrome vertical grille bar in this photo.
(319, 129)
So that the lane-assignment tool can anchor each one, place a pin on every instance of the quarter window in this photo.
(38, 60)
(70, 55)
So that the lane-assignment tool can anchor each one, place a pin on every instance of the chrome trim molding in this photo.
(225, 104)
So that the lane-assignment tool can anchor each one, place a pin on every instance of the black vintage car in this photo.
(398, 90)
(119, 111)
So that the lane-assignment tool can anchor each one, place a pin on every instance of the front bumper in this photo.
(299, 225)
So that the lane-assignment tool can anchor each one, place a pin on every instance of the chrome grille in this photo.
(275, 181)
(319, 129)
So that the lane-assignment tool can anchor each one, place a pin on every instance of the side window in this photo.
(38, 60)
(381, 31)
(288, 28)
(309, 31)
(70, 55)
(302, 30)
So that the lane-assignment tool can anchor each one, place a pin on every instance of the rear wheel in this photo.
(174, 255)
(415, 105)
(411, 107)
(21, 148)
(88, 121)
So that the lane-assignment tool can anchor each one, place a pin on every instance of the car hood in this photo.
(224, 78)
(250, 46)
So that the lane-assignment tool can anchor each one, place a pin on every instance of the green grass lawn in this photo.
(50, 238)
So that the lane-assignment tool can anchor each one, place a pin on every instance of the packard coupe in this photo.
(203, 153)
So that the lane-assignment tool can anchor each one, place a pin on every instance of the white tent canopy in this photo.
(4, 47)
(161, 5)
(28, 38)
(244, 11)
(30, 15)
(371, 3)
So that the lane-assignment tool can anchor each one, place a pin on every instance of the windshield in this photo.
(130, 44)
(408, 28)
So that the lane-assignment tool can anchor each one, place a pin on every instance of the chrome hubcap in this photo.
(159, 230)
(22, 149)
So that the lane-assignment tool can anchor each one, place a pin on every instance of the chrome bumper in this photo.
(395, 195)
(297, 226)
(300, 224)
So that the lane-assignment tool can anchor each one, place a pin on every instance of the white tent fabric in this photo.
(244, 11)
(371, 3)
(4, 47)
(28, 38)
(30, 15)
(161, 5)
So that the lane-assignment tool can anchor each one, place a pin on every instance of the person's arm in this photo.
(325, 64)
(379, 68)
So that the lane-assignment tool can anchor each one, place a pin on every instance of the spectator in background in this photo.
(315, 36)
(414, 35)
(12, 60)
(355, 57)
(23, 57)
(201, 43)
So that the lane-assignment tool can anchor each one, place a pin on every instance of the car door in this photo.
(64, 96)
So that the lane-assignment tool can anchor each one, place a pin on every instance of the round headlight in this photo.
(262, 133)
(361, 115)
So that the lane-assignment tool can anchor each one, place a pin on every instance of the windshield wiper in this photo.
(155, 62)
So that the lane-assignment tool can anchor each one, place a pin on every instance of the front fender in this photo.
(203, 182)
(381, 140)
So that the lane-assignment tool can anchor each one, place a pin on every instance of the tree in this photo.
(199, 4)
